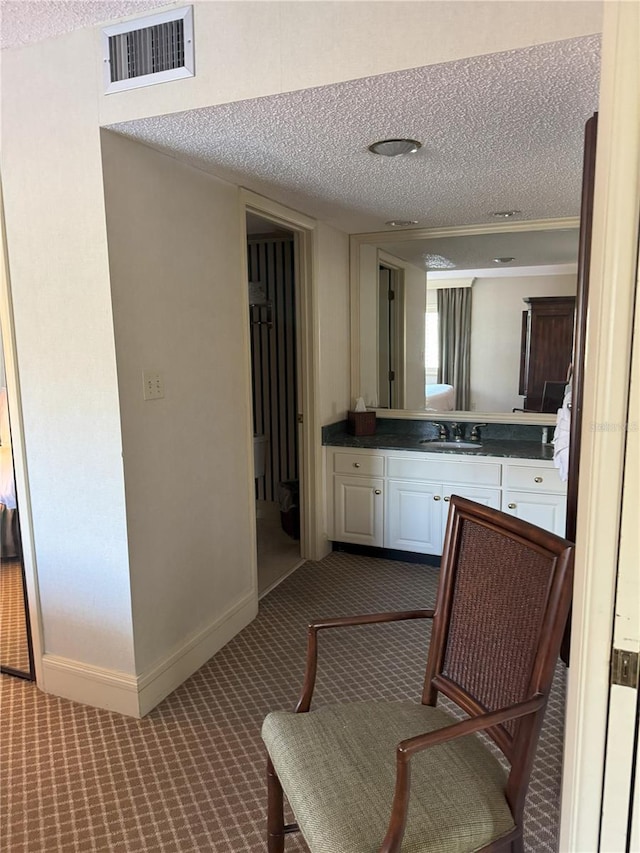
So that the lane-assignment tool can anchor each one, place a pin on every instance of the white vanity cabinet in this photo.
(400, 499)
(534, 492)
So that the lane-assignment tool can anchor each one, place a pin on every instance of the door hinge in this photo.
(392, 375)
(300, 418)
(624, 668)
(391, 294)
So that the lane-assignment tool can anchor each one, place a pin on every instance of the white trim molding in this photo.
(504, 272)
(528, 418)
(313, 538)
(379, 237)
(168, 674)
(90, 685)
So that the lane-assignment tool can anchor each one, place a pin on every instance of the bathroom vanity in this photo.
(397, 497)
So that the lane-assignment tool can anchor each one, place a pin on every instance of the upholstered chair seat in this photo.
(341, 790)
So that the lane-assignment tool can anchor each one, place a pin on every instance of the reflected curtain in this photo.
(454, 323)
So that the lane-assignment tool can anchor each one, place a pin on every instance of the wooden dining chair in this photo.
(383, 777)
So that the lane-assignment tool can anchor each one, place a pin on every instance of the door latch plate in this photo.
(624, 668)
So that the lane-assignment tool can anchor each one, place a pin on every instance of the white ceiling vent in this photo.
(149, 50)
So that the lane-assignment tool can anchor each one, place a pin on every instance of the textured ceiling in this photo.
(527, 248)
(26, 21)
(499, 132)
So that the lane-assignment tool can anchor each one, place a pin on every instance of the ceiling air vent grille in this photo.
(148, 51)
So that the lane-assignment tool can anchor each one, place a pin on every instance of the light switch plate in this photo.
(153, 385)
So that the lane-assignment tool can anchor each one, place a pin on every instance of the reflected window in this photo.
(431, 348)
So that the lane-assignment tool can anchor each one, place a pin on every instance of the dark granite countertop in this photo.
(515, 442)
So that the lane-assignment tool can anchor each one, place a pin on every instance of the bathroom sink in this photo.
(452, 445)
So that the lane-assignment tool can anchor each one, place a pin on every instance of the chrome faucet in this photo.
(458, 431)
(475, 432)
(443, 435)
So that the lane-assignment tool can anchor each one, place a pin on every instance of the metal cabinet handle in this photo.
(436, 497)
(512, 506)
(356, 464)
(447, 499)
(537, 479)
(378, 492)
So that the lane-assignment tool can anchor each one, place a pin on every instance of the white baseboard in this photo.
(135, 696)
(90, 685)
(175, 668)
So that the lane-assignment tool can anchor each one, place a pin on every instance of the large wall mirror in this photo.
(439, 319)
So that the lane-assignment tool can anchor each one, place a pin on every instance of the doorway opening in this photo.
(391, 337)
(273, 333)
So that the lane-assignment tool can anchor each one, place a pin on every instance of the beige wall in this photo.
(175, 255)
(496, 324)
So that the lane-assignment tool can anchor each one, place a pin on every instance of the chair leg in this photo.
(275, 812)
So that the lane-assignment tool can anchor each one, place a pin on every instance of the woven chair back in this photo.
(502, 604)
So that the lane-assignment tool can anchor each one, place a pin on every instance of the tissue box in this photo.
(361, 423)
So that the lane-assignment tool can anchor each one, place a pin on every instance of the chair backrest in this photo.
(503, 600)
(552, 396)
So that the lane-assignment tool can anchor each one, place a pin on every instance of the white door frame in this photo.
(606, 393)
(313, 539)
(392, 348)
(621, 746)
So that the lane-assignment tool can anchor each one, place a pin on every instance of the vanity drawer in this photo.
(358, 463)
(533, 479)
(444, 471)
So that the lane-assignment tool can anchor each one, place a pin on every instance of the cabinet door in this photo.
(358, 510)
(488, 497)
(414, 517)
(547, 511)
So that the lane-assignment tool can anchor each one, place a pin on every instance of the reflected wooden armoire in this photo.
(547, 344)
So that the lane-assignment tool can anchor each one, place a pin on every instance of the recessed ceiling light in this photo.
(505, 214)
(437, 262)
(395, 147)
(503, 260)
(399, 223)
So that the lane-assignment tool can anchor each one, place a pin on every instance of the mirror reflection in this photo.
(471, 323)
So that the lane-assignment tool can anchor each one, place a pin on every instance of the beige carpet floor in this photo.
(190, 776)
(14, 649)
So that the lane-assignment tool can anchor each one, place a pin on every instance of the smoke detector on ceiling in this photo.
(149, 50)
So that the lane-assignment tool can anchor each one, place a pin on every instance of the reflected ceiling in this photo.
(477, 252)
